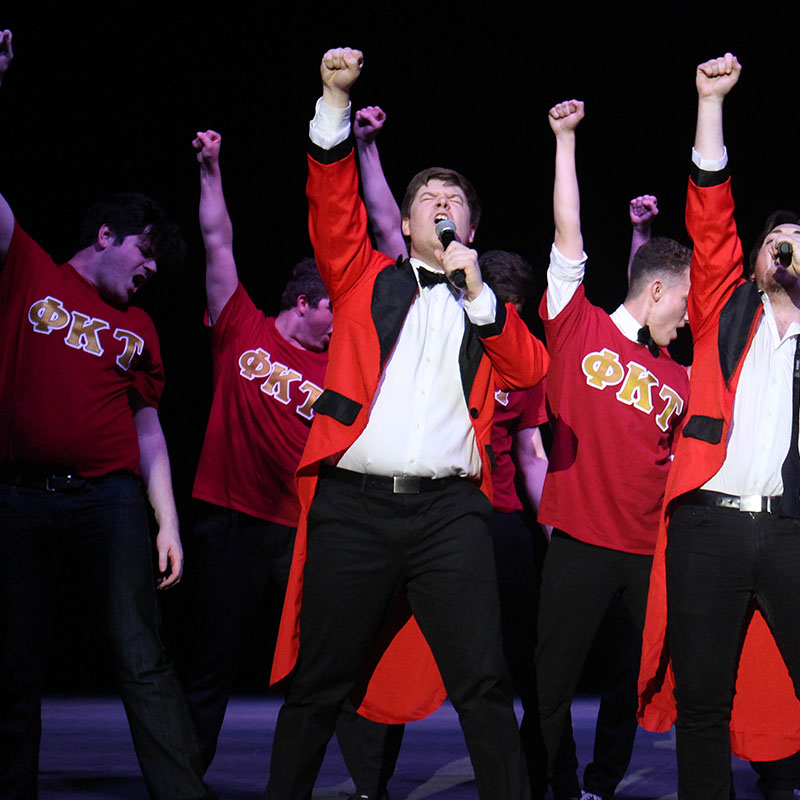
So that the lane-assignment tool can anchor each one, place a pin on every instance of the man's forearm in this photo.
(532, 461)
(382, 209)
(155, 467)
(335, 97)
(217, 231)
(215, 222)
(713, 79)
(640, 234)
(566, 198)
(709, 140)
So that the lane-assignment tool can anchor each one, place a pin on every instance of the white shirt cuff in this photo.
(483, 309)
(330, 126)
(710, 164)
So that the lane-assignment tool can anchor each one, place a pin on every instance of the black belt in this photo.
(55, 482)
(395, 484)
(756, 503)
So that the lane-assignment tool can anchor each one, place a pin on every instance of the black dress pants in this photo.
(580, 582)
(721, 564)
(365, 546)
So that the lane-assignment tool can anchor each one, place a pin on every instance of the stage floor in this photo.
(87, 753)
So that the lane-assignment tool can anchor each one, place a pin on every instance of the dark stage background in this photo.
(110, 100)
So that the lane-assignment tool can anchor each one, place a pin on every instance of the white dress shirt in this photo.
(419, 423)
(758, 439)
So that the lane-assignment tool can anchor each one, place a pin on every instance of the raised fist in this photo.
(716, 77)
(340, 69)
(565, 116)
(207, 144)
(369, 122)
(642, 209)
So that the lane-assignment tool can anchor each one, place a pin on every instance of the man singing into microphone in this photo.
(397, 467)
(723, 601)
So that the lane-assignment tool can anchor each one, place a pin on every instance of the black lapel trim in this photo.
(392, 294)
(469, 356)
(336, 153)
(734, 326)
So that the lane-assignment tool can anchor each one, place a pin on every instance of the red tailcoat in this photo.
(371, 295)
(724, 310)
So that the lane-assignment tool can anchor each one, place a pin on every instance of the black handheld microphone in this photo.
(446, 231)
(784, 253)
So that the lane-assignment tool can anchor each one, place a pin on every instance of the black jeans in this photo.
(722, 563)
(518, 585)
(237, 569)
(777, 780)
(106, 524)
(363, 548)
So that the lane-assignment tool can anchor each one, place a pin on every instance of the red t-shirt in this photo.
(513, 411)
(264, 388)
(614, 411)
(68, 364)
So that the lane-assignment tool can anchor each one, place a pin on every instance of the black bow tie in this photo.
(428, 277)
(644, 337)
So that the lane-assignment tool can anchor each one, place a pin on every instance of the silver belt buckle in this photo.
(405, 484)
(751, 502)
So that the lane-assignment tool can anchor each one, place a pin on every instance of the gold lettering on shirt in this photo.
(636, 391)
(674, 406)
(501, 396)
(312, 393)
(83, 333)
(602, 369)
(254, 364)
(133, 347)
(48, 315)
(278, 382)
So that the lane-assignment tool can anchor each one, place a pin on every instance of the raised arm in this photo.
(564, 119)
(337, 218)
(215, 225)
(717, 252)
(714, 79)
(382, 208)
(6, 215)
(641, 210)
(157, 477)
